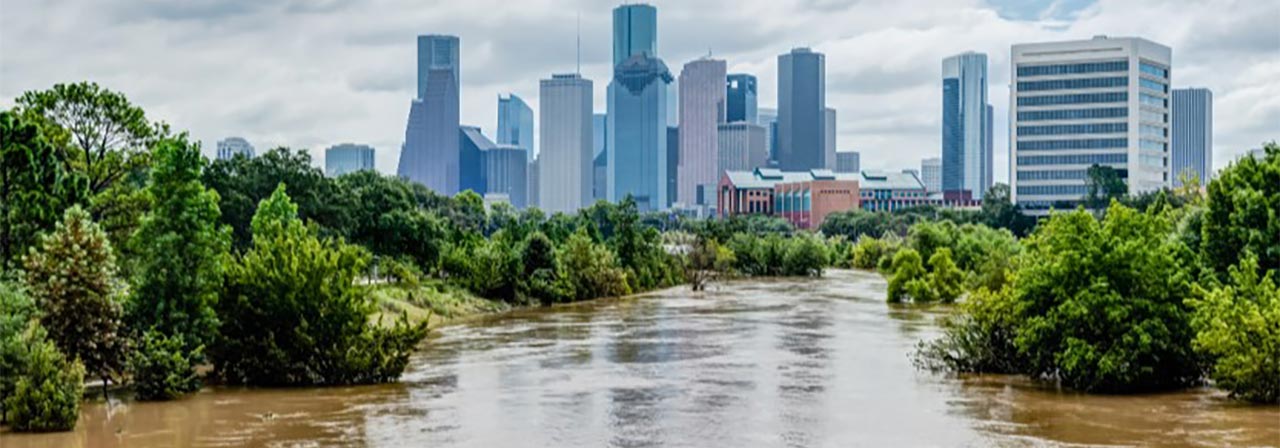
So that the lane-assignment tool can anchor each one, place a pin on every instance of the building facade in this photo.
(803, 198)
(801, 110)
(829, 137)
(1103, 101)
(473, 146)
(931, 174)
(347, 158)
(741, 147)
(702, 109)
(889, 191)
(564, 163)
(515, 124)
(967, 169)
(637, 128)
(229, 147)
(635, 31)
(740, 98)
(599, 140)
(1192, 138)
(768, 118)
(506, 173)
(848, 162)
(430, 154)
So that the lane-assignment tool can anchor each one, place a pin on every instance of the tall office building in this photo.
(741, 94)
(515, 124)
(702, 109)
(931, 174)
(1103, 101)
(564, 162)
(506, 170)
(768, 117)
(229, 147)
(1192, 135)
(741, 147)
(848, 162)
(966, 123)
(635, 31)
(673, 161)
(637, 130)
(801, 110)
(347, 158)
(473, 146)
(532, 198)
(599, 140)
(430, 154)
(829, 137)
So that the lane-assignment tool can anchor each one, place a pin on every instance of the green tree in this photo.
(946, 280)
(1244, 213)
(541, 279)
(35, 187)
(909, 278)
(1238, 330)
(292, 314)
(805, 256)
(977, 339)
(162, 366)
(71, 275)
(929, 236)
(49, 388)
(591, 270)
(999, 211)
(1104, 184)
(17, 314)
(181, 248)
(242, 183)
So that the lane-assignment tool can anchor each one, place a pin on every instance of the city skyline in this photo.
(273, 102)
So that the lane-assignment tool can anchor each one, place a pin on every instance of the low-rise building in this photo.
(803, 198)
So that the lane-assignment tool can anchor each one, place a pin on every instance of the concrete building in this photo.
(741, 95)
(802, 111)
(829, 138)
(848, 162)
(803, 198)
(1102, 101)
(515, 124)
(741, 147)
(506, 173)
(931, 174)
(347, 158)
(967, 163)
(702, 109)
(767, 117)
(564, 164)
(637, 146)
(1192, 138)
(889, 191)
(430, 154)
(229, 147)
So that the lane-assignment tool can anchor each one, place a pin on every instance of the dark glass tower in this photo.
(802, 111)
(741, 98)
(430, 154)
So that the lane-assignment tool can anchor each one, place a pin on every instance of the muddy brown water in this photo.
(753, 363)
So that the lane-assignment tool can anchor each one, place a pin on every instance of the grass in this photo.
(431, 300)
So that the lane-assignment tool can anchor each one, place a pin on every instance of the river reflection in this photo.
(752, 363)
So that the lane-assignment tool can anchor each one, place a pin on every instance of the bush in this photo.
(47, 394)
(946, 280)
(1238, 330)
(757, 256)
(869, 250)
(806, 256)
(1244, 213)
(590, 269)
(17, 313)
(908, 278)
(978, 339)
(162, 367)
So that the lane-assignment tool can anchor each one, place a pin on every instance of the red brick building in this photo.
(804, 198)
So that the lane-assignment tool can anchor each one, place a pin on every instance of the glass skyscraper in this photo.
(599, 140)
(740, 93)
(966, 141)
(515, 124)
(430, 154)
(1192, 138)
(637, 129)
(802, 111)
(347, 158)
(472, 145)
(635, 31)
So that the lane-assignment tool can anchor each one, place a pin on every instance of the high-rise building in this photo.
(473, 147)
(673, 161)
(848, 162)
(768, 118)
(515, 124)
(347, 158)
(741, 94)
(564, 162)
(532, 198)
(702, 109)
(1192, 138)
(638, 132)
(506, 173)
(1103, 101)
(599, 165)
(829, 137)
(741, 148)
(430, 154)
(229, 147)
(966, 123)
(931, 174)
(635, 31)
(801, 110)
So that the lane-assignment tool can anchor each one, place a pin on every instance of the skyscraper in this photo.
(599, 164)
(515, 124)
(741, 94)
(430, 154)
(673, 161)
(635, 31)
(229, 147)
(931, 174)
(506, 172)
(768, 118)
(564, 163)
(1192, 135)
(829, 138)
(702, 109)
(347, 158)
(637, 130)
(473, 147)
(1076, 104)
(966, 122)
(741, 148)
(801, 110)
(848, 162)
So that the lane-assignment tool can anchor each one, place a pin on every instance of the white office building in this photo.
(1102, 101)
(931, 174)
(565, 144)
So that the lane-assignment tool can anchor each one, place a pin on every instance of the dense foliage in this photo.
(1243, 213)
(48, 390)
(35, 186)
(1237, 327)
(162, 366)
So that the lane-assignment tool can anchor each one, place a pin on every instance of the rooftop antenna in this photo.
(579, 43)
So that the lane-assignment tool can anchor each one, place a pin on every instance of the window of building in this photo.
(1073, 114)
(1088, 143)
(1073, 159)
(1078, 83)
(1072, 69)
(1076, 98)
(1059, 129)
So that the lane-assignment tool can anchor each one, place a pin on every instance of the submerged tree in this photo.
(1238, 329)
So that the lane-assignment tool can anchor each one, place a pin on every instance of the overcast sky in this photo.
(312, 73)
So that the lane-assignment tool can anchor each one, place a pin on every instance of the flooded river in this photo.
(754, 363)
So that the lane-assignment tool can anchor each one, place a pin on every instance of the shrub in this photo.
(162, 367)
(1238, 330)
(805, 256)
(946, 280)
(909, 278)
(17, 313)
(978, 339)
(1242, 213)
(47, 395)
(590, 270)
